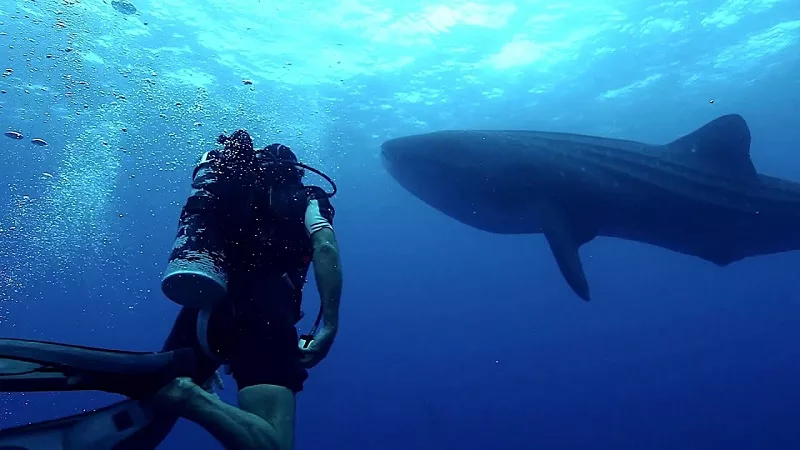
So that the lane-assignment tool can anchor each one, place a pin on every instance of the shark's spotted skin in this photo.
(698, 195)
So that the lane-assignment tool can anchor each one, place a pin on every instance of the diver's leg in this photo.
(231, 426)
(265, 362)
(274, 404)
(234, 428)
(182, 335)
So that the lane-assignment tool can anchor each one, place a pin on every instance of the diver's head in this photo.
(280, 164)
(239, 140)
(238, 146)
(275, 164)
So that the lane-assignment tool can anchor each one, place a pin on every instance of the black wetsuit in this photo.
(267, 251)
(252, 235)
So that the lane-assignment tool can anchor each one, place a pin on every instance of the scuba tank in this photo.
(223, 183)
(196, 275)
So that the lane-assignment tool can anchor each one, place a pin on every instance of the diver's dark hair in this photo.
(238, 138)
(279, 159)
(284, 162)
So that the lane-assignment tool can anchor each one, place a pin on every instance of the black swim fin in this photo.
(126, 425)
(35, 366)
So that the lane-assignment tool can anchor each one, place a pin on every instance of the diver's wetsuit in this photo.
(249, 241)
(264, 235)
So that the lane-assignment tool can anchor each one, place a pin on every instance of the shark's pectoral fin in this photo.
(566, 233)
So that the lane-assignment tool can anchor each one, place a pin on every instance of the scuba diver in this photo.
(247, 236)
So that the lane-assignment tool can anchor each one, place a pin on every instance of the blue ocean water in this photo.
(451, 338)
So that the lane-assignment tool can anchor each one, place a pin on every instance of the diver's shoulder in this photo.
(315, 193)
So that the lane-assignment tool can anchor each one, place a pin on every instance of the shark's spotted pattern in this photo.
(699, 195)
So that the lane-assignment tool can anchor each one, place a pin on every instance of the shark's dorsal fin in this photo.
(566, 234)
(721, 146)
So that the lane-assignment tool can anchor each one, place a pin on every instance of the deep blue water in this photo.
(451, 338)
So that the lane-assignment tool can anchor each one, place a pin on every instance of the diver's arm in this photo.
(327, 266)
(328, 274)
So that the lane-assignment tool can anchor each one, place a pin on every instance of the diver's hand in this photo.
(319, 347)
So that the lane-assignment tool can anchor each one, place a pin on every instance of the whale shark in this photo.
(698, 195)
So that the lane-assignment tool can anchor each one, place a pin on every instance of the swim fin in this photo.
(35, 366)
(31, 366)
(126, 425)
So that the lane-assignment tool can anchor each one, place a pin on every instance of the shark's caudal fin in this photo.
(721, 147)
(565, 234)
